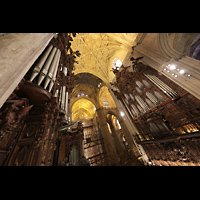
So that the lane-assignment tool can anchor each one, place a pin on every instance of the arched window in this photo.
(105, 103)
(115, 123)
(109, 128)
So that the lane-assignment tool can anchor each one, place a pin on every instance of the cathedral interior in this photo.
(99, 99)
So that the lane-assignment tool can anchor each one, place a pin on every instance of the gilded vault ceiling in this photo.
(85, 84)
(82, 109)
(98, 51)
(98, 54)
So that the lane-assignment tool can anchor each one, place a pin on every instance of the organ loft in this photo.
(99, 99)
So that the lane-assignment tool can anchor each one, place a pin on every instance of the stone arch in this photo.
(105, 94)
(95, 73)
(166, 48)
(194, 47)
(176, 45)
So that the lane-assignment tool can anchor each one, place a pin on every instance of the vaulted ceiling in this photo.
(82, 109)
(99, 52)
(86, 84)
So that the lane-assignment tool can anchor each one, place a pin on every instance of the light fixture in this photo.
(150, 163)
(172, 67)
(176, 76)
(122, 114)
(165, 69)
(168, 71)
(188, 75)
(173, 74)
(182, 71)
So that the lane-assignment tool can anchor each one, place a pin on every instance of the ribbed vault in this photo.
(93, 71)
(86, 85)
(82, 109)
(98, 51)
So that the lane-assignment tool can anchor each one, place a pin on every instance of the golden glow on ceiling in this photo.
(98, 51)
(105, 94)
(88, 84)
(82, 109)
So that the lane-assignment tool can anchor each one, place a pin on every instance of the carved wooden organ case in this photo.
(31, 116)
(166, 116)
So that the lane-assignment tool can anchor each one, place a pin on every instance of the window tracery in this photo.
(105, 103)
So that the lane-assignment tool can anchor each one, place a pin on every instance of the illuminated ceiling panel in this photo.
(98, 51)
(82, 109)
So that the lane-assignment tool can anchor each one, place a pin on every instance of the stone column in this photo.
(117, 144)
(111, 154)
(158, 54)
(18, 51)
(129, 130)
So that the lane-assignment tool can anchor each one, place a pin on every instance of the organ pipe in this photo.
(170, 89)
(152, 98)
(60, 97)
(51, 69)
(128, 108)
(66, 102)
(56, 93)
(153, 81)
(63, 97)
(55, 72)
(47, 64)
(163, 87)
(40, 63)
(135, 109)
(65, 70)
